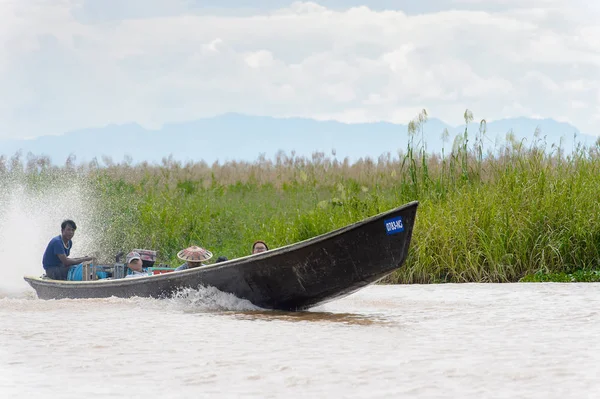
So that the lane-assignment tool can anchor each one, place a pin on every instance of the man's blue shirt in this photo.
(55, 247)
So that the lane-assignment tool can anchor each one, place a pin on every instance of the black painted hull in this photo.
(293, 277)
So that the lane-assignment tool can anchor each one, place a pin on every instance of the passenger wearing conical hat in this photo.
(193, 256)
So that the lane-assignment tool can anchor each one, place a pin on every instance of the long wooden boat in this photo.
(293, 277)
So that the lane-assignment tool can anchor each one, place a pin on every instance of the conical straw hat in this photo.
(194, 254)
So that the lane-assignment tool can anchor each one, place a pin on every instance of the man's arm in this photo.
(73, 261)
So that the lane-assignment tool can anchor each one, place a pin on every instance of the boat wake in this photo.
(201, 300)
(209, 299)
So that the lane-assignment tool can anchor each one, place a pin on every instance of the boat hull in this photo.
(294, 277)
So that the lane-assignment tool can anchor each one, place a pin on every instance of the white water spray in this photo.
(30, 218)
(209, 298)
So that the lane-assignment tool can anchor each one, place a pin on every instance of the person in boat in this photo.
(193, 256)
(135, 265)
(56, 261)
(259, 246)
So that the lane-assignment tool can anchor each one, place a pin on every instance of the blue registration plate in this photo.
(394, 225)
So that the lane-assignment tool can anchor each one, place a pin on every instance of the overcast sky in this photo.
(69, 64)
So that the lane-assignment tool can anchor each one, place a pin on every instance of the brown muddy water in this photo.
(418, 341)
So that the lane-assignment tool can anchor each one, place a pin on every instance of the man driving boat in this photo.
(56, 261)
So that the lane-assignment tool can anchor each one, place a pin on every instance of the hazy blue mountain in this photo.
(243, 137)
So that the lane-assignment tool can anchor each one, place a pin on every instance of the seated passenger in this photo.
(259, 246)
(134, 263)
(56, 261)
(193, 257)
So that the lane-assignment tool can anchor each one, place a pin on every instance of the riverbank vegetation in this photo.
(523, 212)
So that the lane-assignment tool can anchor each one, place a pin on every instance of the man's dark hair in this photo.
(68, 222)
(260, 242)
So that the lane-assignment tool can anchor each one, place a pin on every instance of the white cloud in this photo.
(60, 73)
(259, 59)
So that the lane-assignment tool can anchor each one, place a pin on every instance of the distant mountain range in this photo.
(244, 138)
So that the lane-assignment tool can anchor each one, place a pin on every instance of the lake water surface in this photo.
(417, 341)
